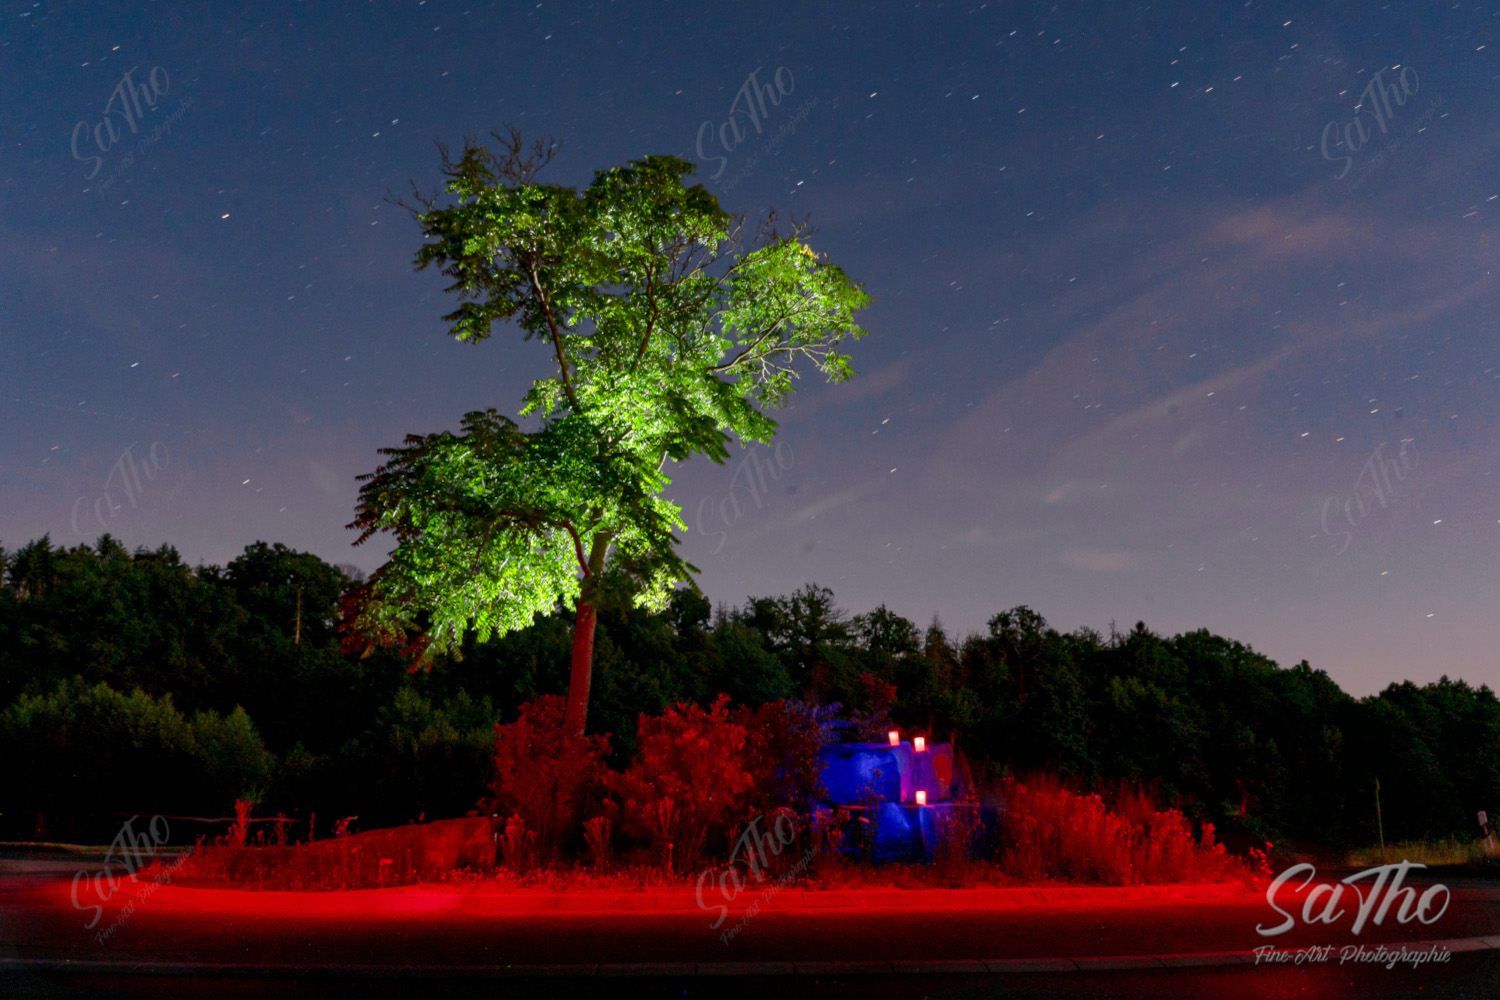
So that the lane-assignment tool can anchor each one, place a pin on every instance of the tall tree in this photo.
(33, 569)
(663, 334)
(808, 632)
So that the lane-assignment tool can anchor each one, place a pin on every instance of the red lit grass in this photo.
(1053, 834)
(1049, 835)
(375, 859)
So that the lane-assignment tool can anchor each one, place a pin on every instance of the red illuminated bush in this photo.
(689, 781)
(781, 753)
(543, 772)
(1050, 832)
(1167, 852)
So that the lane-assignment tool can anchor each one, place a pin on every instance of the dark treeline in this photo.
(134, 684)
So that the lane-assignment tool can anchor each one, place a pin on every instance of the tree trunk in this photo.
(583, 669)
(582, 678)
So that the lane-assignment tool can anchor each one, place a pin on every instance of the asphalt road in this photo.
(1472, 975)
(435, 942)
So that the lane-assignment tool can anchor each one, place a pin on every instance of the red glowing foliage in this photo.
(688, 781)
(374, 859)
(781, 754)
(543, 772)
(363, 632)
(1053, 833)
(241, 826)
(878, 694)
(1260, 866)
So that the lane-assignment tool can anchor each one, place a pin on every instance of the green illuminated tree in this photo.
(662, 332)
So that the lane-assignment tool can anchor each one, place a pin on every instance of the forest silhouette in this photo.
(135, 684)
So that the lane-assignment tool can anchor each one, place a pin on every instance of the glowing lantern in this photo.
(920, 744)
(895, 737)
(921, 795)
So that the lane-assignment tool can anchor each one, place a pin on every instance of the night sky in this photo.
(1182, 312)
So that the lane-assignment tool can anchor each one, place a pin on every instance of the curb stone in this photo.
(991, 967)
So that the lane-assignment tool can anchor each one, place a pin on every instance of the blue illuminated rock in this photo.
(932, 772)
(854, 773)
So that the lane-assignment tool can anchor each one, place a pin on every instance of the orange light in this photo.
(895, 737)
(920, 743)
(921, 795)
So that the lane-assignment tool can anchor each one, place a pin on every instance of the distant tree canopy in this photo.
(244, 690)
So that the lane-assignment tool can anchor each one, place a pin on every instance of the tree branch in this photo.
(562, 363)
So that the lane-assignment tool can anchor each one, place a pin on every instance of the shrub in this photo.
(688, 781)
(83, 754)
(958, 829)
(543, 771)
(596, 832)
(1050, 832)
(229, 751)
(828, 834)
(400, 855)
(519, 845)
(429, 759)
(241, 826)
(782, 741)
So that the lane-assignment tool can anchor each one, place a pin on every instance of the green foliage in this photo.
(419, 756)
(621, 280)
(513, 668)
(742, 667)
(1432, 749)
(284, 661)
(639, 670)
(436, 756)
(665, 334)
(808, 634)
(230, 751)
(260, 634)
(492, 527)
(885, 637)
(84, 757)
(129, 621)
